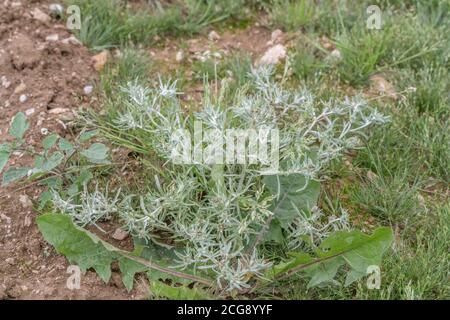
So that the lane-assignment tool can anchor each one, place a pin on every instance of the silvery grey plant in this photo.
(214, 212)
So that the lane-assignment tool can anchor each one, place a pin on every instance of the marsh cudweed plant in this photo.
(217, 212)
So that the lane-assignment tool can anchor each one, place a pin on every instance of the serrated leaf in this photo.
(19, 126)
(97, 152)
(50, 141)
(5, 152)
(78, 247)
(85, 136)
(352, 248)
(14, 174)
(87, 250)
(294, 194)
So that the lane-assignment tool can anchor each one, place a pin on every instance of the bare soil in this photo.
(51, 75)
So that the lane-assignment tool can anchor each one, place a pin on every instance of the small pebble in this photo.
(20, 88)
(180, 56)
(30, 111)
(58, 110)
(25, 201)
(120, 234)
(213, 35)
(23, 98)
(5, 82)
(52, 38)
(38, 14)
(88, 89)
(56, 9)
(71, 40)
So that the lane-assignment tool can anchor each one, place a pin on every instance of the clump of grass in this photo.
(112, 23)
(293, 15)
(362, 52)
(129, 65)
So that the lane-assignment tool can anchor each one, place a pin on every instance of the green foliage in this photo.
(357, 250)
(294, 194)
(112, 23)
(4, 155)
(293, 15)
(86, 250)
(14, 174)
(58, 160)
(19, 126)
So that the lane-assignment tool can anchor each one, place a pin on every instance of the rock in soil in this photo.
(273, 55)
(120, 234)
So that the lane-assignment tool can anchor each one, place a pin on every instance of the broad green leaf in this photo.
(275, 232)
(165, 257)
(19, 126)
(294, 194)
(162, 290)
(85, 136)
(298, 258)
(65, 145)
(352, 248)
(52, 182)
(79, 247)
(52, 162)
(50, 141)
(359, 250)
(44, 198)
(39, 161)
(85, 249)
(5, 152)
(324, 271)
(97, 152)
(129, 268)
(84, 176)
(14, 174)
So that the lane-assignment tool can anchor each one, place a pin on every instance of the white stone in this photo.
(25, 201)
(39, 15)
(20, 88)
(5, 83)
(30, 111)
(88, 89)
(71, 40)
(52, 38)
(56, 9)
(180, 56)
(273, 55)
(336, 54)
(58, 110)
(23, 98)
(120, 234)
(213, 35)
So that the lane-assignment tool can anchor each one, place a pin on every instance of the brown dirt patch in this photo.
(43, 78)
